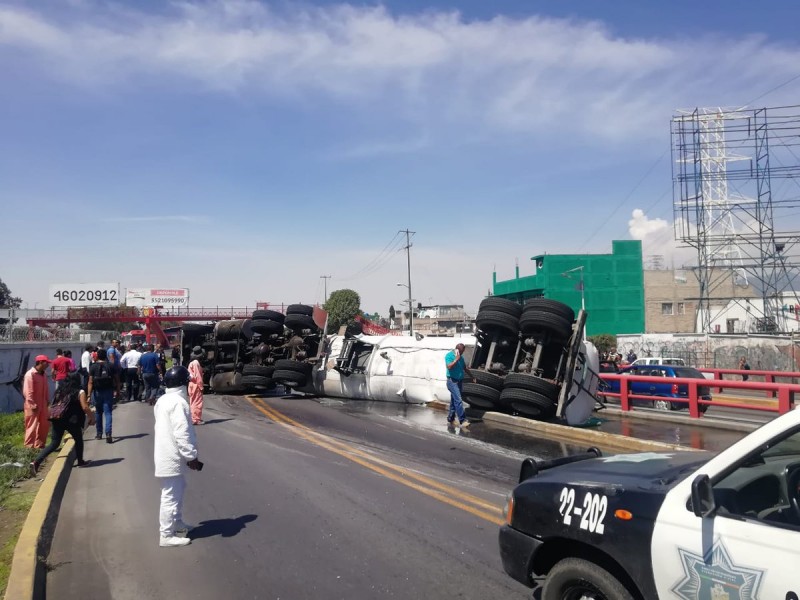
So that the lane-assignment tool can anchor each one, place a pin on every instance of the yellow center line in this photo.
(355, 456)
(402, 470)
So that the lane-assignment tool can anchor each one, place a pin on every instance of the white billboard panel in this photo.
(84, 294)
(157, 297)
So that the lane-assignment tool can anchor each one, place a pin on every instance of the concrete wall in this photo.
(763, 352)
(17, 359)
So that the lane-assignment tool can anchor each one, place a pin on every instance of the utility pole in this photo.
(410, 301)
(325, 277)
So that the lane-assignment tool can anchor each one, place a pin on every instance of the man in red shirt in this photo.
(36, 393)
(60, 367)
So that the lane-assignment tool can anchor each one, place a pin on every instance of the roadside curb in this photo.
(28, 574)
(707, 422)
(577, 435)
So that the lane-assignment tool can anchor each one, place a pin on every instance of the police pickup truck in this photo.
(687, 525)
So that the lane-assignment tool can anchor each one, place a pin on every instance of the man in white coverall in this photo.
(175, 451)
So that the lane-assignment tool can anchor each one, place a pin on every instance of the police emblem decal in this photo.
(715, 577)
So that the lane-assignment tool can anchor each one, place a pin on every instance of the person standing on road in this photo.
(86, 362)
(196, 386)
(36, 392)
(72, 419)
(113, 357)
(162, 359)
(176, 355)
(743, 366)
(130, 367)
(148, 364)
(103, 388)
(456, 368)
(175, 450)
(59, 368)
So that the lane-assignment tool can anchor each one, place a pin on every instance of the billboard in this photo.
(83, 294)
(157, 297)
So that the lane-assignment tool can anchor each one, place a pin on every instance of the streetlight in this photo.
(410, 309)
(581, 287)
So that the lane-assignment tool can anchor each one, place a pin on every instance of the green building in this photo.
(613, 286)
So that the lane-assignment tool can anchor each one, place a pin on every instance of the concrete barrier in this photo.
(28, 576)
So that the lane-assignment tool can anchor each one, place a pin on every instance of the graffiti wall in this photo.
(769, 353)
(17, 359)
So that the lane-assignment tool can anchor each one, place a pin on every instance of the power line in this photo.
(383, 257)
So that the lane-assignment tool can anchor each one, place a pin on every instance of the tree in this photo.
(342, 307)
(603, 342)
(6, 299)
(88, 314)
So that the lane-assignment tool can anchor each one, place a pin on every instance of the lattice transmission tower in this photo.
(724, 205)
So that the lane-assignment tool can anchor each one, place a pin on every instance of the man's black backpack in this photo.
(101, 377)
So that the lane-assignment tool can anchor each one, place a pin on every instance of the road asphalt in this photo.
(298, 499)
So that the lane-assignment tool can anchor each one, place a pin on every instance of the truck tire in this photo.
(268, 315)
(289, 378)
(255, 381)
(257, 370)
(535, 321)
(527, 403)
(551, 306)
(488, 379)
(299, 322)
(481, 396)
(488, 320)
(523, 381)
(502, 305)
(225, 345)
(299, 309)
(228, 367)
(579, 578)
(265, 327)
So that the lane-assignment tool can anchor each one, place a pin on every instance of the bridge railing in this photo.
(784, 392)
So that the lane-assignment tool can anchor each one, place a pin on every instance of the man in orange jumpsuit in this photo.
(36, 392)
(196, 386)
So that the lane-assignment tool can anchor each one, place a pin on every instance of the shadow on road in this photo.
(133, 436)
(222, 527)
(215, 421)
(103, 461)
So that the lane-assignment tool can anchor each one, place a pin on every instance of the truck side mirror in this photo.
(703, 504)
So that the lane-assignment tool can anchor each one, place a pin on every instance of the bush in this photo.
(603, 342)
(13, 450)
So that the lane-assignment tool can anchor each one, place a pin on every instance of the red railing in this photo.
(769, 377)
(783, 391)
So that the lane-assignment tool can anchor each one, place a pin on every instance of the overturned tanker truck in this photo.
(530, 360)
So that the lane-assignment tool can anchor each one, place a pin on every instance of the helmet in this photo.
(176, 377)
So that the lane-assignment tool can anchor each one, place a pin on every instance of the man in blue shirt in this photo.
(114, 357)
(149, 366)
(456, 368)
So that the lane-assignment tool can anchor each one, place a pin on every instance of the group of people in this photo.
(98, 379)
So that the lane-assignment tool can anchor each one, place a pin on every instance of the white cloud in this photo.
(529, 75)
(658, 238)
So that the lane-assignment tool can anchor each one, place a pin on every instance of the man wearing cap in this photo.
(196, 386)
(36, 392)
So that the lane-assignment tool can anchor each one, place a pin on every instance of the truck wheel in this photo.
(300, 322)
(535, 321)
(289, 378)
(196, 329)
(550, 306)
(501, 305)
(257, 370)
(266, 327)
(578, 579)
(531, 382)
(662, 405)
(528, 404)
(268, 315)
(492, 319)
(488, 379)
(255, 381)
(300, 309)
(481, 396)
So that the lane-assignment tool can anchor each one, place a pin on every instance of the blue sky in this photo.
(242, 149)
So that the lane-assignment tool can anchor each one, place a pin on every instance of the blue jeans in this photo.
(151, 384)
(103, 403)
(456, 404)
